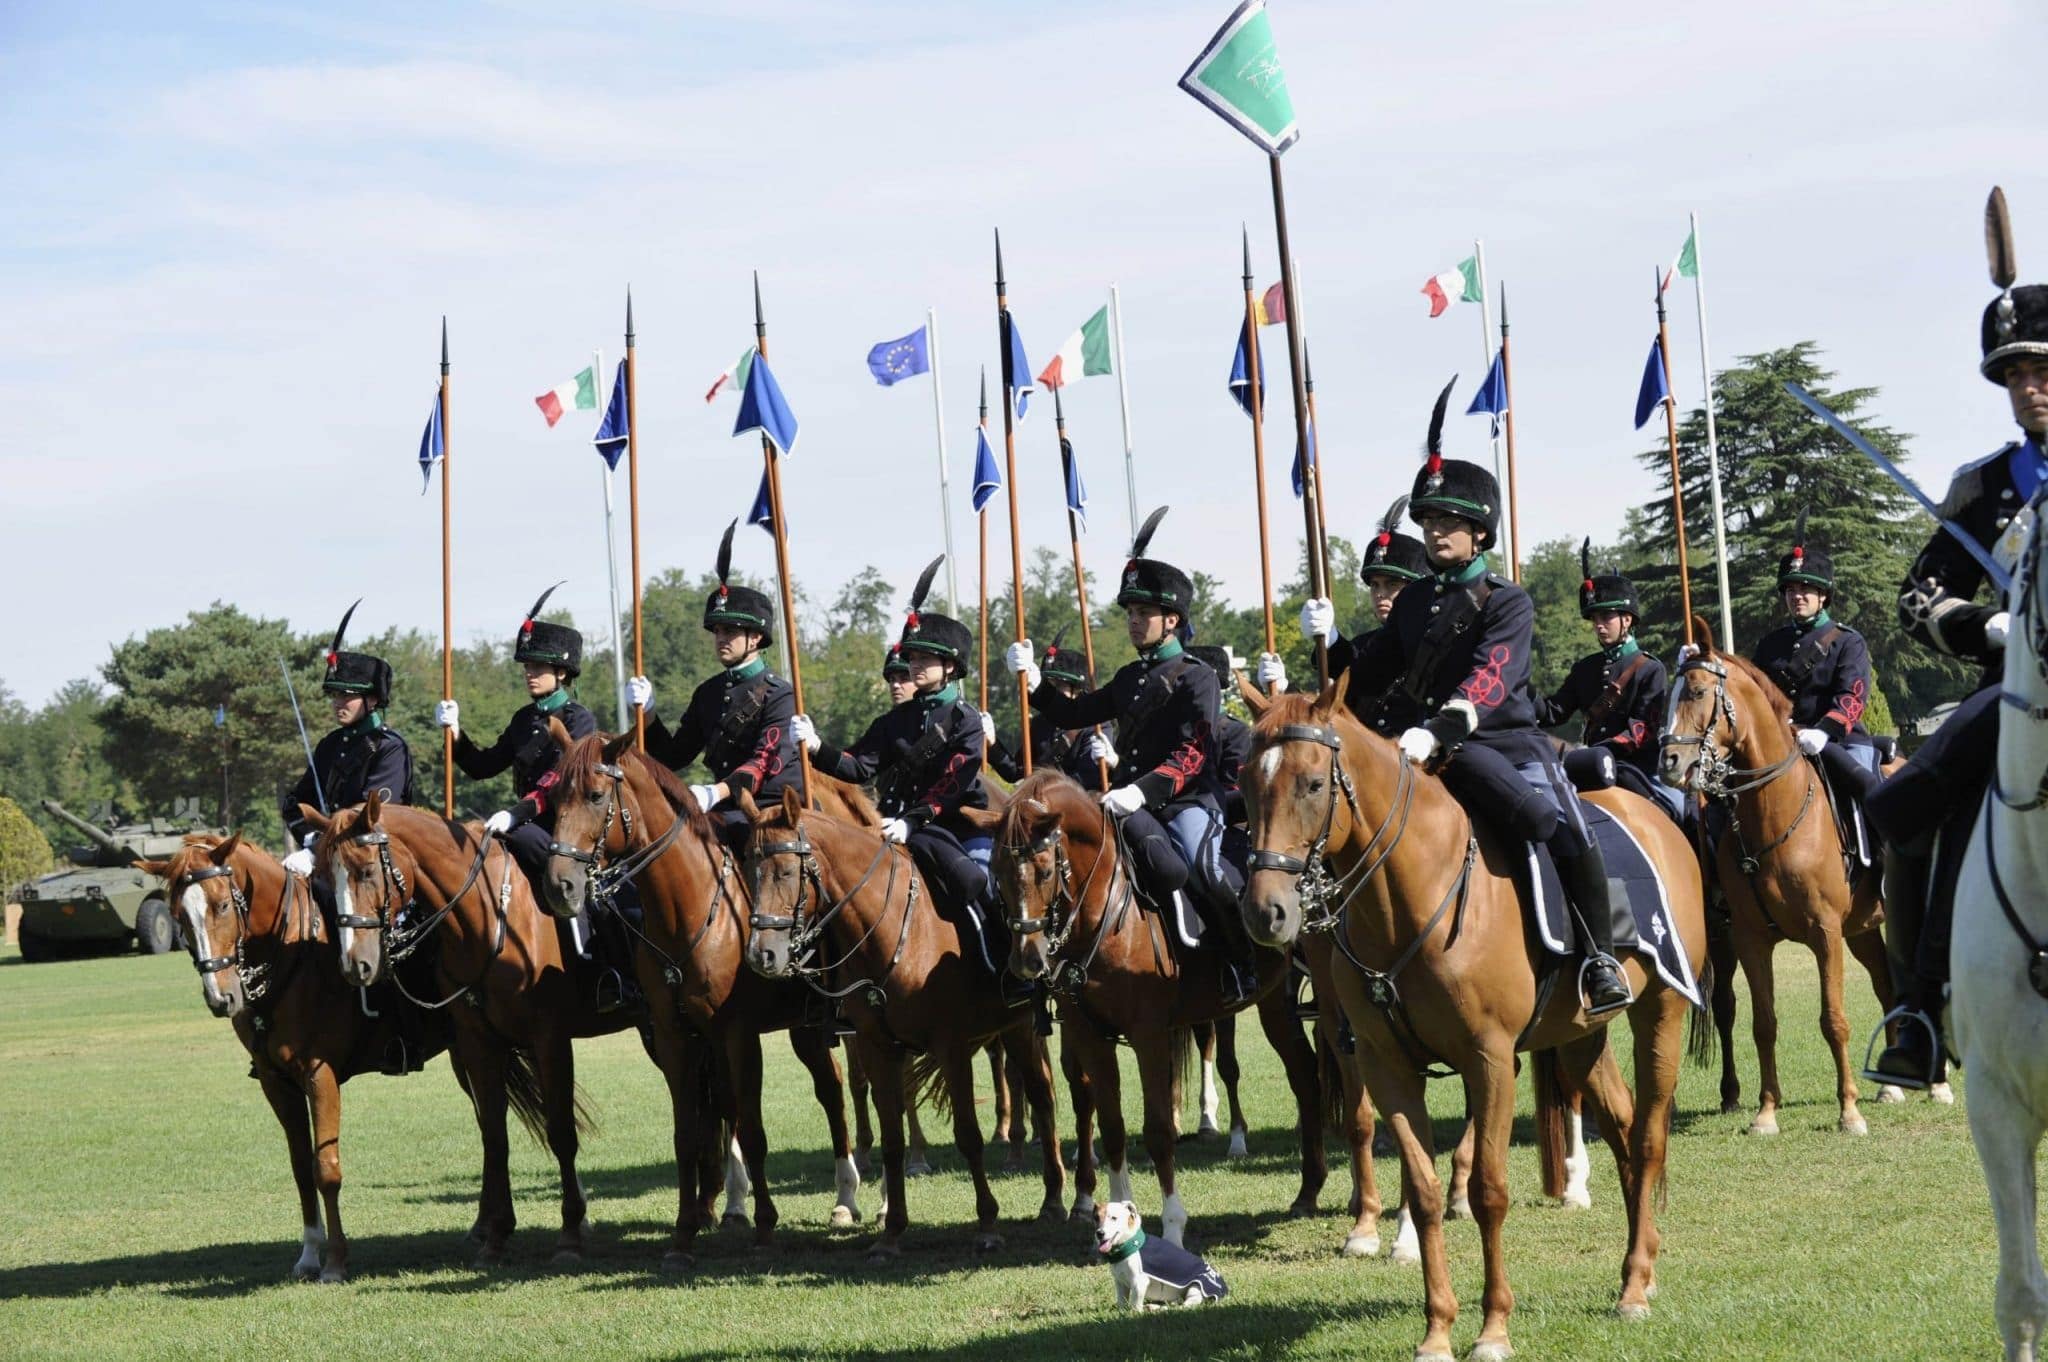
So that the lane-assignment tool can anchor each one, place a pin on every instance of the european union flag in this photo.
(762, 409)
(892, 361)
(612, 432)
(763, 512)
(988, 474)
(1016, 368)
(1492, 397)
(1077, 491)
(432, 451)
(1653, 390)
(1240, 374)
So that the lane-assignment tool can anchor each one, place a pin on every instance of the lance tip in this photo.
(1059, 411)
(984, 392)
(629, 314)
(999, 260)
(1246, 233)
(444, 342)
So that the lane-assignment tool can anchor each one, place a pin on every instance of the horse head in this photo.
(1296, 802)
(1050, 848)
(783, 871)
(2022, 752)
(214, 904)
(369, 874)
(597, 815)
(1720, 714)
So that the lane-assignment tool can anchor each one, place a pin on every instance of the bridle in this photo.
(1718, 768)
(1062, 909)
(2033, 617)
(254, 976)
(403, 938)
(807, 930)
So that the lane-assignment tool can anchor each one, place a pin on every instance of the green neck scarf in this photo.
(1126, 1249)
(553, 700)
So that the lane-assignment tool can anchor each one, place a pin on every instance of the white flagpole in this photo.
(1123, 401)
(1511, 549)
(611, 554)
(931, 322)
(1699, 293)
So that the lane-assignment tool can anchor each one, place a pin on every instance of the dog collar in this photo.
(1128, 1248)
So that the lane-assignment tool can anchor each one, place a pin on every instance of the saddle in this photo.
(1859, 848)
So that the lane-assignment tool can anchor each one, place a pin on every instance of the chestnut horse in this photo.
(851, 915)
(1431, 912)
(406, 878)
(619, 814)
(1779, 864)
(1075, 922)
(266, 964)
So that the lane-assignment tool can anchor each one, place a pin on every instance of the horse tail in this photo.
(1551, 1103)
(924, 1080)
(1184, 1059)
(1699, 1027)
(529, 1103)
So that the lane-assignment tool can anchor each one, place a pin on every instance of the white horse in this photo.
(1999, 1010)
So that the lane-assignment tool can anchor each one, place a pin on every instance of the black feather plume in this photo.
(1143, 539)
(725, 552)
(341, 630)
(1799, 529)
(1390, 523)
(1998, 247)
(1434, 445)
(1586, 558)
(534, 613)
(924, 583)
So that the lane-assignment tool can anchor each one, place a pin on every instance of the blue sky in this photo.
(233, 230)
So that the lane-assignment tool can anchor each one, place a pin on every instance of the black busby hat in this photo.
(1606, 591)
(2016, 321)
(1065, 664)
(927, 631)
(356, 673)
(1805, 563)
(1453, 486)
(1151, 582)
(548, 645)
(1220, 659)
(893, 664)
(740, 605)
(1391, 553)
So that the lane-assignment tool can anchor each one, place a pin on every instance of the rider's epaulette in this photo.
(1968, 483)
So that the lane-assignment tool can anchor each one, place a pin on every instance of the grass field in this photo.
(146, 1211)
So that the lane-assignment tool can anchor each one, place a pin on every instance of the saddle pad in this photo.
(1642, 909)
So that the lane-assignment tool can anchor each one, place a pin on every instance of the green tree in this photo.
(24, 851)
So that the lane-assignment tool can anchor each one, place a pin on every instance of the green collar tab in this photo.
(1127, 1249)
(1466, 575)
(944, 695)
(1819, 621)
(1165, 652)
(747, 670)
(553, 700)
(1623, 650)
(368, 723)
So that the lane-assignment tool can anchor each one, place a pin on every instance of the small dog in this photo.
(1150, 1272)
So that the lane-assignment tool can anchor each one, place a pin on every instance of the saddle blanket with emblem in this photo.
(1642, 909)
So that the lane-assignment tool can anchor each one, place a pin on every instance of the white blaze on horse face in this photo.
(1269, 764)
(193, 903)
(344, 909)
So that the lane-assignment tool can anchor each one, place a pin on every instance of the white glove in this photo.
(705, 795)
(1686, 653)
(1319, 620)
(1124, 799)
(1996, 628)
(448, 714)
(1811, 740)
(640, 691)
(988, 730)
(1100, 748)
(499, 823)
(300, 863)
(1020, 657)
(1272, 672)
(895, 832)
(1419, 745)
(804, 731)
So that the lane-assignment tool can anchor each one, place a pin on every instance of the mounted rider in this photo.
(1392, 560)
(1166, 706)
(1621, 690)
(361, 754)
(1074, 751)
(1449, 673)
(739, 720)
(923, 757)
(1950, 773)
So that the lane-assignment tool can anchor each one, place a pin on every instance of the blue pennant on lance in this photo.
(763, 513)
(432, 451)
(1299, 472)
(1077, 491)
(1653, 390)
(1492, 397)
(1018, 369)
(612, 432)
(1240, 374)
(892, 361)
(988, 474)
(763, 409)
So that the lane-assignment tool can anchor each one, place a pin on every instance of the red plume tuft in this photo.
(333, 659)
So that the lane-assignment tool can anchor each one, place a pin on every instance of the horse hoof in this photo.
(1081, 1215)
(1942, 1095)
(1208, 1130)
(733, 1220)
(1486, 1350)
(1855, 1125)
(475, 1237)
(1302, 1206)
(1407, 1255)
(1051, 1213)
(885, 1251)
(1891, 1094)
(1730, 1105)
(1361, 1246)
(842, 1217)
(1013, 1164)
(1421, 1356)
(303, 1271)
(1764, 1125)
(675, 1260)
(566, 1259)
(1577, 1199)
(1237, 1148)
(917, 1168)
(1632, 1312)
(490, 1258)
(988, 1242)
(1459, 1209)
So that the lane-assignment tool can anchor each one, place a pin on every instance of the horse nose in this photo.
(1267, 918)
(359, 973)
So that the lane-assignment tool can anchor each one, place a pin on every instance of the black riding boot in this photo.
(1584, 872)
(1910, 1060)
(1240, 971)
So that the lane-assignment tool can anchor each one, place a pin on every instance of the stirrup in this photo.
(1585, 1000)
(609, 995)
(1906, 1016)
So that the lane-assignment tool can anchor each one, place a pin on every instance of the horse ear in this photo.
(982, 820)
(1039, 816)
(1702, 633)
(615, 748)
(559, 733)
(226, 849)
(792, 804)
(1333, 694)
(744, 800)
(316, 818)
(160, 869)
(373, 806)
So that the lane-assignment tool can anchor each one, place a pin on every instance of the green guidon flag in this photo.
(1238, 75)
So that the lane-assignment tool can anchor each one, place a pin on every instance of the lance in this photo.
(774, 474)
(1316, 471)
(981, 522)
(633, 515)
(1311, 500)
(1671, 433)
(447, 596)
(1507, 381)
(1008, 352)
(1059, 416)
(1251, 362)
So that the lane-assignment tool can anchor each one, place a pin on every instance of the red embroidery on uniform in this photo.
(539, 793)
(1634, 736)
(1186, 761)
(767, 758)
(1486, 688)
(949, 782)
(1849, 706)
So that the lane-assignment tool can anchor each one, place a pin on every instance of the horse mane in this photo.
(1041, 785)
(579, 769)
(854, 797)
(1780, 704)
(1288, 707)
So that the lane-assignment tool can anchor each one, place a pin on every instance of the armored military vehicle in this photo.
(100, 901)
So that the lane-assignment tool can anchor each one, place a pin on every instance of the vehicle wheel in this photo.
(34, 949)
(153, 931)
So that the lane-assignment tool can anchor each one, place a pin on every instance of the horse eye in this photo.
(1316, 786)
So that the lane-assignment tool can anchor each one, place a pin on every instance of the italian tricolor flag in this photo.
(1454, 286)
(734, 379)
(1687, 265)
(578, 394)
(1084, 355)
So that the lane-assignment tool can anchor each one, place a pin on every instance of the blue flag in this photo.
(1653, 390)
(763, 512)
(1492, 397)
(988, 474)
(1240, 376)
(1299, 473)
(1077, 491)
(762, 409)
(1016, 368)
(612, 432)
(432, 451)
(892, 361)
(220, 716)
